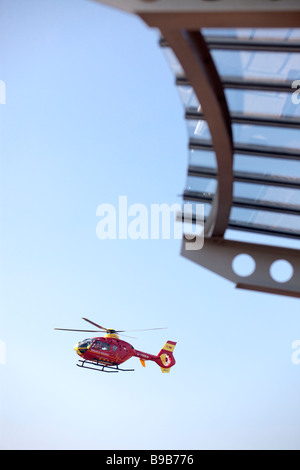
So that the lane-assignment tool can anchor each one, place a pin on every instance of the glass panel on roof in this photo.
(191, 211)
(262, 221)
(269, 220)
(266, 136)
(188, 97)
(173, 62)
(207, 209)
(276, 167)
(202, 185)
(278, 198)
(198, 129)
(262, 102)
(275, 171)
(203, 158)
(257, 33)
(288, 170)
(248, 64)
(257, 192)
(252, 102)
(258, 221)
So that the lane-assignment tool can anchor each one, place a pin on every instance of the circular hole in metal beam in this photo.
(281, 270)
(243, 265)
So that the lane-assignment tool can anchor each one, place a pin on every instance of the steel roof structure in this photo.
(237, 69)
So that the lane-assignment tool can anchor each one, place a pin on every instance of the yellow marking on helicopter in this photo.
(165, 359)
(112, 335)
(169, 347)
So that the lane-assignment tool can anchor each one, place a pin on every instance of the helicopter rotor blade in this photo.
(89, 331)
(107, 330)
(126, 336)
(69, 329)
(95, 324)
(146, 329)
(121, 331)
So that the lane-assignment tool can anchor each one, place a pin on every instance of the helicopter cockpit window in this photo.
(97, 345)
(85, 343)
(105, 346)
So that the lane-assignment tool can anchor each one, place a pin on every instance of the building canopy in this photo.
(237, 69)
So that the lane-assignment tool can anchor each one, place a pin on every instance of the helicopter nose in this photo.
(76, 348)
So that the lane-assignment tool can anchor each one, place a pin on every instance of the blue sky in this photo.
(92, 113)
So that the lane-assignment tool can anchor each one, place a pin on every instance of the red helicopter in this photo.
(107, 353)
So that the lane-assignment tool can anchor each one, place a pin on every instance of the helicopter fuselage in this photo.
(109, 350)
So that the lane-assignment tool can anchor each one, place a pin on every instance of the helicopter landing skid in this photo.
(100, 367)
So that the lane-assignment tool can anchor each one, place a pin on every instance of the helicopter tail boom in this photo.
(164, 359)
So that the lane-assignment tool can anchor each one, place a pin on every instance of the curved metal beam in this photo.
(194, 55)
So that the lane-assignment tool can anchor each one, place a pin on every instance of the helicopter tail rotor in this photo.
(165, 358)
